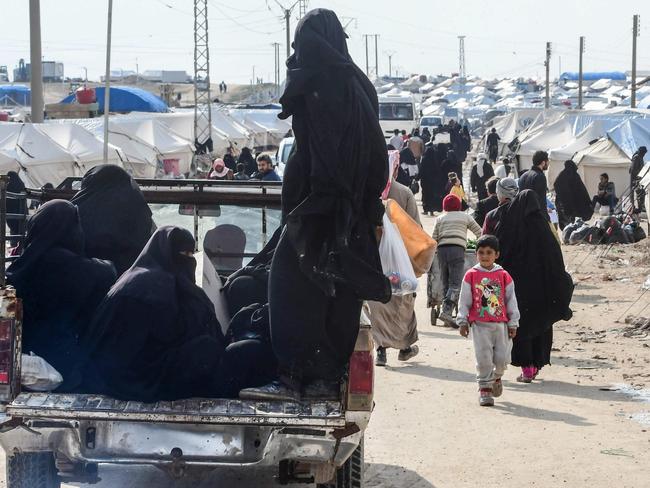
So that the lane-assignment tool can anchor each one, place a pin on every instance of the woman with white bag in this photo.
(394, 324)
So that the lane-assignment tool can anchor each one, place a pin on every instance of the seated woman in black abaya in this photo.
(114, 215)
(60, 287)
(156, 336)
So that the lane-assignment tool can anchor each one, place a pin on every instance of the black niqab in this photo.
(114, 215)
(59, 287)
(327, 258)
(156, 336)
(571, 195)
(246, 158)
(433, 179)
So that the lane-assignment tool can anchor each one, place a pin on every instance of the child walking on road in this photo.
(488, 306)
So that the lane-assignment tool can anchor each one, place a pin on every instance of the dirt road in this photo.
(567, 429)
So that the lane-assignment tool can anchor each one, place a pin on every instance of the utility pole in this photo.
(365, 36)
(286, 12)
(276, 71)
(107, 86)
(547, 65)
(390, 55)
(461, 63)
(580, 72)
(202, 98)
(635, 34)
(376, 56)
(36, 75)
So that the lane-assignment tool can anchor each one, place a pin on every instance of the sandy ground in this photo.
(575, 427)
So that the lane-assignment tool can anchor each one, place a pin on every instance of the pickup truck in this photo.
(50, 438)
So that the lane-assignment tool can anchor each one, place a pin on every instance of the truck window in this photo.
(395, 111)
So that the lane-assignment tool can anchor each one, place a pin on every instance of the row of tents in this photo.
(142, 143)
(597, 141)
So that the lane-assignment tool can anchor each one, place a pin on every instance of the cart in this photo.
(435, 294)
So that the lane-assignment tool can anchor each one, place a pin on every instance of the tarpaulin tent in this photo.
(39, 158)
(87, 149)
(594, 75)
(15, 95)
(603, 156)
(127, 99)
(631, 134)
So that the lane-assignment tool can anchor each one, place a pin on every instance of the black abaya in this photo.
(114, 215)
(433, 180)
(246, 158)
(452, 165)
(478, 182)
(532, 255)
(156, 337)
(59, 287)
(571, 196)
(327, 259)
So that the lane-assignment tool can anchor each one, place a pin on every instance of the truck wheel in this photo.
(32, 470)
(350, 475)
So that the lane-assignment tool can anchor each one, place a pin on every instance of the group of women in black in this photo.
(111, 302)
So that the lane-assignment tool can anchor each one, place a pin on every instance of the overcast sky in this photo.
(504, 37)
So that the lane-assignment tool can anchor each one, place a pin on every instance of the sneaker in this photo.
(497, 388)
(381, 360)
(485, 398)
(276, 390)
(322, 390)
(408, 353)
(447, 318)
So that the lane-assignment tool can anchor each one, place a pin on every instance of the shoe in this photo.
(447, 319)
(276, 390)
(322, 390)
(408, 353)
(497, 388)
(485, 398)
(527, 375)
(381, 360)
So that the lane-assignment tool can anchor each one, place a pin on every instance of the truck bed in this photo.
(195, 410)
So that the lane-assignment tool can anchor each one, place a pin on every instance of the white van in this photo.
(282, 156)
(397, 111)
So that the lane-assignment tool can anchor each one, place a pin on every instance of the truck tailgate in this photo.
(195, 410)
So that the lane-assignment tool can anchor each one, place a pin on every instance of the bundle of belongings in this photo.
(613, 229)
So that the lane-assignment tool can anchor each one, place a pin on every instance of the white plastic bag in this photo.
(36, 374)
(395, 260)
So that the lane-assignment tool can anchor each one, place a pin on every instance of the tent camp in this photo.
(603, 156)
(39, 159)
(87, 149)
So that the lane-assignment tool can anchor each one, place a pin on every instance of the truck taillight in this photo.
(6, 353)
(361, 373)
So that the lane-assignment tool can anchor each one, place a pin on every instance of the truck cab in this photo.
(50, 438)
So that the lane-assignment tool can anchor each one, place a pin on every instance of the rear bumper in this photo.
(174, 444)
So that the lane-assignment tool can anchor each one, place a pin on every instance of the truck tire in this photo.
(32, 470)
(350, 475)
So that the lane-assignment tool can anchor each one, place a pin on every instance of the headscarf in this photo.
(507, 189)
(451, 203)
(55, 224)
(219, 169)
(115, 217)
(338, 168)
(393, 164)
(246, 158)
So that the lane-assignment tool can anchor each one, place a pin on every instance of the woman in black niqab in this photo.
(114, 215)
(156, 336)
(60, 287)
(433, 180)
(327, 259)
(571, 195)
(246, 158)
(532, 255)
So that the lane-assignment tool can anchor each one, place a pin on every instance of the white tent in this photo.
(87, 150)
(603, 156)
(267, 128)
(168, 145)
(39, 158)
(594, 131)
(631, 134)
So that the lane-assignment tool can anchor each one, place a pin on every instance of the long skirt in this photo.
(394, 323)
(533, 351)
